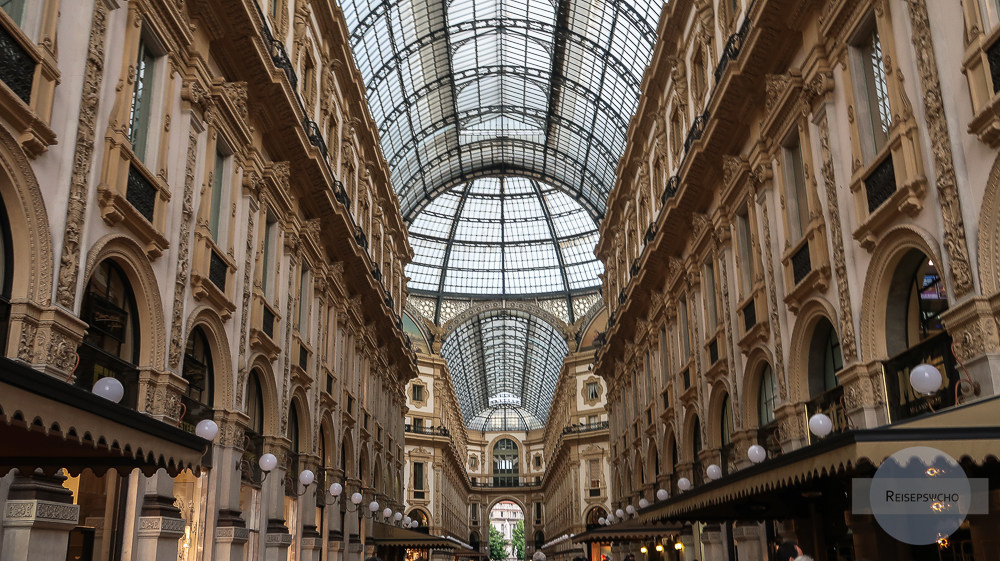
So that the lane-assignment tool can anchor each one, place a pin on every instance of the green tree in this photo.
(498, 545)
(517, 538)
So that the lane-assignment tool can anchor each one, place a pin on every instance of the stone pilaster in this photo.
(712, 542)
(37, 519)
(160, 522)
(231, 536)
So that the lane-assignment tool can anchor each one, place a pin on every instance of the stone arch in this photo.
(890, 250)
(809, 317)
(347, 458)
(268, 390)
(510, 499)
(326, 440)
(480, 307)
(29, 225)
(307, 444)
(222, 361)
(522, 466)
(425, 514)
(688, 452)
(377, 471)
(364, 467)
(988, 239)
(638, 471)
(756, 361)
(652, 461)
(669, 442)
(128, 255)
(713, 424)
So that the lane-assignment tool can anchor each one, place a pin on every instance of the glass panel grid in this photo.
(504, 365)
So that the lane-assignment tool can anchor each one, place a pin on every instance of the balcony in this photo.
(507, 481)
(587, 427)
(429, 430)
(880, 184)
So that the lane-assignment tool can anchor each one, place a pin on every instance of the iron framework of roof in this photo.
(535, 93)
(465, 88)
(504, 365)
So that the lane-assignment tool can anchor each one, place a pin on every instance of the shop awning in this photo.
(49, 424)
(774, 488)
(388, 535)
(629, 531)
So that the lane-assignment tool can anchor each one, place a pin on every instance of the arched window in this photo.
(505, 463)
(594, 515)
(292, 470)
(111, 345)
(726, 426)
(728, 452)
(255, 429)
(6, 274)
(767, 396)
(198, 373)
(917, 298)
(825, 359)
(474, 541)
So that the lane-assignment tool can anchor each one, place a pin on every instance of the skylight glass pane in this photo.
(504, 365)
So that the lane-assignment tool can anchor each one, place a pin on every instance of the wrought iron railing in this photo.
(141, 193)
(314, 135)
(507, 481)
(585, 427)
(880, 184)
(650, 233)
(801, 264)
(830, 403)
(428, 430)
(697, 129)
(634, 269)
(732, 49)
(217, 270)
(670, 190)
(769, 437)
(17, 67)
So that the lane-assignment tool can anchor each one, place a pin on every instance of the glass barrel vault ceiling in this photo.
(497, 236)
(504, 365)
(467, 88)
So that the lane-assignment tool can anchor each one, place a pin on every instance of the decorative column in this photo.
(231, 533)
(160, 522)
(712, 543)
(38, 518)
(750, 542)
(276, 537)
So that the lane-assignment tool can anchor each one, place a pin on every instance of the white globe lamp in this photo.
(925, 379)
(820, 425)
(643, 503)
(684, 484)
(662, 495)
(630, 510)
(756, 453)
(207, 429)
(109, 388)
(336, 489)
(356, 498)
(714, 472)
(267, 462)
(306, 477)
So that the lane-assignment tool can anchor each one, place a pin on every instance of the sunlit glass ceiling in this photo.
(503, 236)
(467, 88)
(504, 365)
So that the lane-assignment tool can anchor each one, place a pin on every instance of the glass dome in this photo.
(504, 365)
(496, 236)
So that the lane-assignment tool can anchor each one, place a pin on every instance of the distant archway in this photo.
(507, 517)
